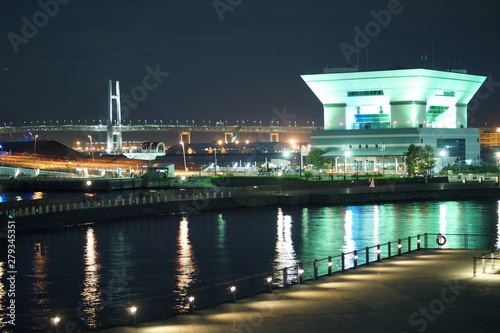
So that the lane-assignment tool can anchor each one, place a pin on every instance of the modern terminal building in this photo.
(371, 117)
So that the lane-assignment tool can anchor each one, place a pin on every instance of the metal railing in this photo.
(153, 308)
(487, 260)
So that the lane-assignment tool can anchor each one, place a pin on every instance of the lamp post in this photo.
(34, 146)
(215, 155)
(442, 153)
(383, 158)
(184, 154)
(346, 155)
(91, 147)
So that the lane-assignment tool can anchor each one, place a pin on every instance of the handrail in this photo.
(230, 291)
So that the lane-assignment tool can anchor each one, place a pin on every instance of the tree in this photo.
(427, 159)
(314, 158)
(412, 159)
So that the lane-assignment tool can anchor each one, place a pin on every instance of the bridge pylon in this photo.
(114, 138)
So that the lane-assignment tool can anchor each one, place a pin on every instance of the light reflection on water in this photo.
(40, 295)
(91, 294)
(186, 267)
(141, 258)
(285, 255)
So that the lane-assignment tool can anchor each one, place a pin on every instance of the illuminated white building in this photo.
(377, 113)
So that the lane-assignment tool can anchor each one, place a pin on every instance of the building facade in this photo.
(372, 117)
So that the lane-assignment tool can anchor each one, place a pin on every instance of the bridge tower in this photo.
(114, 138)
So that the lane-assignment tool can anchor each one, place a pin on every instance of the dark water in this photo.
(111, 265)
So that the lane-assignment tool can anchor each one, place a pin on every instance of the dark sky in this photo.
(238, 68)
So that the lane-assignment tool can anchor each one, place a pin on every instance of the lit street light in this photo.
(91, 147)
(347, 154)
(184, 154)
(442, 153)
(34, 147)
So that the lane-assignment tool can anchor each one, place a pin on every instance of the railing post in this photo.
(378, 252)
(409, 244)
(165, 308)
(399, 247)
(285, 277)
(251, 286)
(474, 266)
(315, 269)
(213, 303)
(342, 260)
(426, 244)
(483, 263)
(355, 258)
(330, 264)
(418, 242)
(367, 255)
(388, 249)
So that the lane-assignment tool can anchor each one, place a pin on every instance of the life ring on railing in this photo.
(440, 239)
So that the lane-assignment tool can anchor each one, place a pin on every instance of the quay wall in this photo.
(63, 215)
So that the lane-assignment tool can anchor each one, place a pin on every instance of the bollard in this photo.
(232, 289)
(60, 207)
(67, 206)
(342, 261)
(270, 283)
(378, 252)
(388, 249)
(300, 274)
(493, 260)
(315, 269)
(418, 242)
(367, 255)
(399, 247)
(409, 244)
(285, 277)
(355, 258)
(191, 304)
(483, 263)
(123, 202)
(330, 264)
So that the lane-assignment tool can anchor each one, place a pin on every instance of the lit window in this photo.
(365, 93)
(447, 93)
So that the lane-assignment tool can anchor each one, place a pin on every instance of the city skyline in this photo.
(230, 60)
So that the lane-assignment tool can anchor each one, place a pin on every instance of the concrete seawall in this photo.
(194, 203)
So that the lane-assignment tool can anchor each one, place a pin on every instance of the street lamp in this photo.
(347, 154)
(91, 147)
(34, 146)
(442, 153)
(184, 154)
(215, 155)
(383, 158)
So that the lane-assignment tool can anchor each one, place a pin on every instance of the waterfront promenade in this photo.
(430, 290)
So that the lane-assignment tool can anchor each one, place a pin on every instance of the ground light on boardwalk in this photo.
(422, 291)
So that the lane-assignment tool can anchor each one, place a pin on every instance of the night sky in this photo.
(238, 61)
